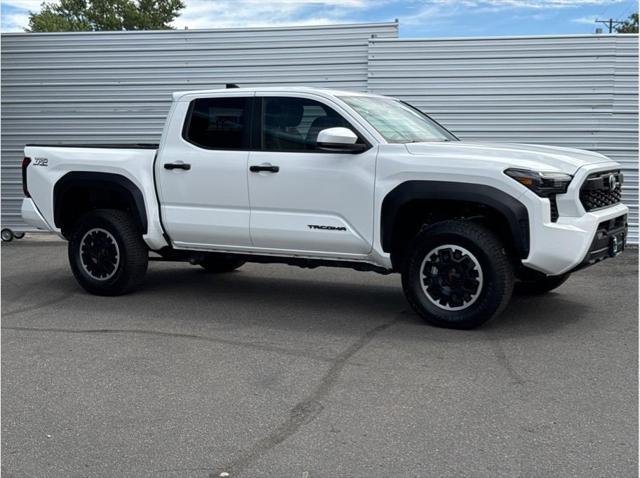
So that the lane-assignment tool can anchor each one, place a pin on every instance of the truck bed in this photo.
(132, 163)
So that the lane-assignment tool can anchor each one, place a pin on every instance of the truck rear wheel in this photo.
(107, 253)
(220, 263)
(456, 274)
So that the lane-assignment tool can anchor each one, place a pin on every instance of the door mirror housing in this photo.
(339, 140)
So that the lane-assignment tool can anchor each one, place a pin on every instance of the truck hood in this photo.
(528, 156)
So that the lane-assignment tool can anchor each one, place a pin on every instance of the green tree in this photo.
(97, 15)
(630, 25)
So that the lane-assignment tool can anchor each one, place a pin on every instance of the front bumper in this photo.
(609, 241)
(32, 216)
(574, 238)
(572, 242)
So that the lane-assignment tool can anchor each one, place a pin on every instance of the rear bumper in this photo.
(574, 242)
(32, 216)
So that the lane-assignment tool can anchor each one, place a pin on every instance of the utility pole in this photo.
(610, 23)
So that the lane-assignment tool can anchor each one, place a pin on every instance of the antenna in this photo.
(231, 85)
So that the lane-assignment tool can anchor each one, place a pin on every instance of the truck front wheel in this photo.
(457, 274)
(107, 253)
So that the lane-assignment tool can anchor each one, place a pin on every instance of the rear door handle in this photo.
(264, 167)
(178, 165)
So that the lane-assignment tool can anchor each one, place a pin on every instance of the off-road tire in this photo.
(487, 250)
(220, 263)
(133, 255)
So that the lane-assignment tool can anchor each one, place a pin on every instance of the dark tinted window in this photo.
(293, 124)
(218, 123)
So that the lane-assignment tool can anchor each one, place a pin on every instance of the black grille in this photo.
(613, 224)
(601, 190)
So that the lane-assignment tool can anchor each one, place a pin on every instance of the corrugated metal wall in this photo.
(576, 91)
(579, 91)
(116, 86)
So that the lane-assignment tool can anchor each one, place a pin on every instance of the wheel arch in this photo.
(447, 194)
(79, 192)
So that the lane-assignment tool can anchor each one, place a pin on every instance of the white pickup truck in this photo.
(314, 177)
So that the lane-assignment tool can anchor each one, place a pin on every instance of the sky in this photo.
(418, 18)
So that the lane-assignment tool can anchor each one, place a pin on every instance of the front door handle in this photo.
(179, 165)
(264, 167)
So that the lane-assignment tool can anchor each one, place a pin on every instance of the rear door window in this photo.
(218, 123)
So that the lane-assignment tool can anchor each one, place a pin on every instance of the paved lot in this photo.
(278, 371)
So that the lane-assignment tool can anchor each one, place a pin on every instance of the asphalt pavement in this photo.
(276, 371)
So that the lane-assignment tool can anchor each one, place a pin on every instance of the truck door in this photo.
(302, 198)
(201, 173)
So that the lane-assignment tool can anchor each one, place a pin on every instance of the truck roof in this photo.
(178, 95)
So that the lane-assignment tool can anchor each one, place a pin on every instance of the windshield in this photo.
(396, 121)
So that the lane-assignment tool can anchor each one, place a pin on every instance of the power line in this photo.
(605, 10)
(623, 10)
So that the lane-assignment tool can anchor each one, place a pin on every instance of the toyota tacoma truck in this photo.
(315, 177)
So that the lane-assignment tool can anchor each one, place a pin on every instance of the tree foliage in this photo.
(630, 25)
(110, 15)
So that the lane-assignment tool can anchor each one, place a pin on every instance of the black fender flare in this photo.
(88, 179)
(513, 210)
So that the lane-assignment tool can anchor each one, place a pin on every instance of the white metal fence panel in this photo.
(575, 91)
(115, 86)
(578, 91)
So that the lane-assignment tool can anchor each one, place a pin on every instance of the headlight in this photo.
(543, 184)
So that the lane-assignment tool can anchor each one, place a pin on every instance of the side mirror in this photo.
(339, 140)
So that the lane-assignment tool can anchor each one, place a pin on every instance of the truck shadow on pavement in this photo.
(292, 302)
(338, 302)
